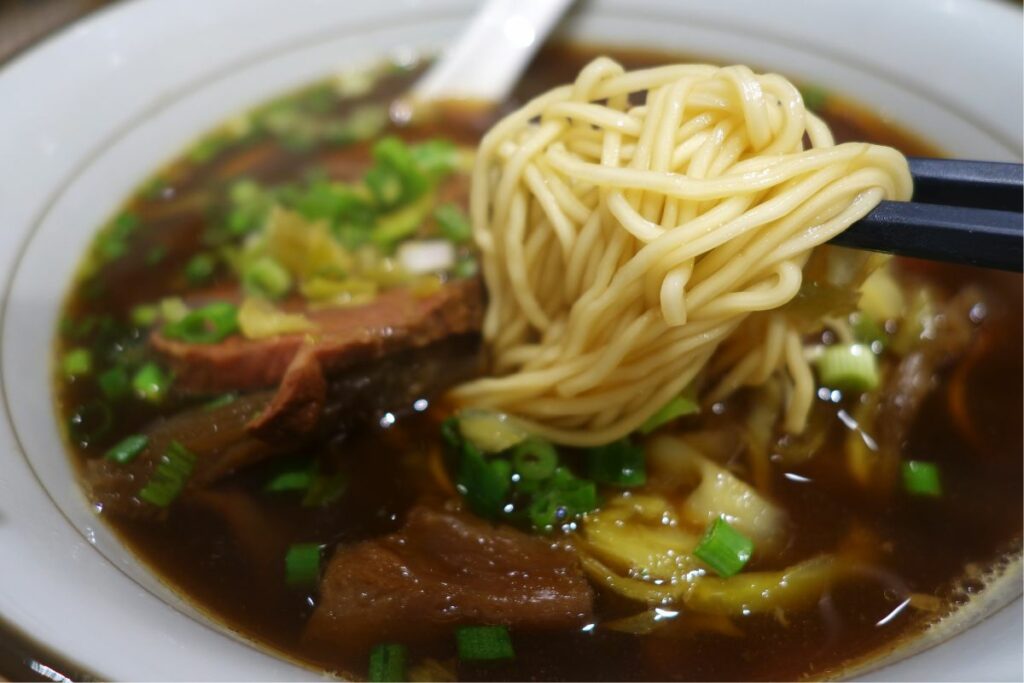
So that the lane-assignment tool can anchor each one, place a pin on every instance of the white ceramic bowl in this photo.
(87, 114)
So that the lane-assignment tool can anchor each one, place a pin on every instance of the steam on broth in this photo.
(254, 362)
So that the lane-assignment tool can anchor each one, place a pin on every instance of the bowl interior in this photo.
(137, 100)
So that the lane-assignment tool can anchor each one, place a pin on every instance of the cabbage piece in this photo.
(718, 493)
(305, 248)
(259, 319)
(640, 536)
(796, 587)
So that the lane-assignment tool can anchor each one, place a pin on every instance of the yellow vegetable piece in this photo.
(304, 247)
(259, 319)
(881, 296)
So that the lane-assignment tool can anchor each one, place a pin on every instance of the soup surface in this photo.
(227, 513)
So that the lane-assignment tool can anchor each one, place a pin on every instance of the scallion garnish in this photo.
(387, 663)
(620, 463)
(151, 383)
(144, 315)
(302, 564)
(534, 459)
(921, 478)
(724, 549)
(867, 331)
(115, 382)
(452, 223)
(677, 407)
(200, 268)
(155, 255)
(221, 401)
(852, 368)
(290, 480)
(209, 324)
(170, 476)
(77, 363)
(266, 277)
(485, 484)
(127, 449)
(324, 489)
(90, 422)
(483, 643)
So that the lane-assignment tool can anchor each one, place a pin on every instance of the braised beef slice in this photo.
(223, 441)
(218, 437)
(395, 321)
(441, 570)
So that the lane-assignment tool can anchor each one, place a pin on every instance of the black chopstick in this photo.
(979, 237)
(959, 182)
(962, 212)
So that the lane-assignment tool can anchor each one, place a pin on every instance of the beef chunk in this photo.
(441, 570)
(218, 437)
(395, 319)
(225, 441)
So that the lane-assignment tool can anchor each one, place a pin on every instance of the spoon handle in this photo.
(487, 59)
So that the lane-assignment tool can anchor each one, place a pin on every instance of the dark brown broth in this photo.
(233, 569)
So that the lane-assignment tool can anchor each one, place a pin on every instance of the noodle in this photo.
(623, 243)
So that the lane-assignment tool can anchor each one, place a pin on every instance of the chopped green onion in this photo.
(332, 201)
(155, 255)
(302, 565)
(485, 485)
(125, 224)
(324, 489)
(921, 478)
(724, 549)
(364, 123)
(170, 476)
(172, 309)
(200, 268)
(249, 203)
(144, 315)
(76, 363)
(207, 325)
(483, 643)
(393, 227)
(396, 177)
(290, 480)
(450, 432)
(620, 463)
(852, 368)
(387, 663)
(207, 148)
(465, 266)
(435, 158)
(151, 383)
(452, 223)
(127, 449)
(677, 407)
(560, 499)
(221, 401)
(115, 383)
(544, 511)
(266, 277)
(534, 459)
(814, 97)
(489, 431)
(579, 496)
(867, 331)
(90, 422)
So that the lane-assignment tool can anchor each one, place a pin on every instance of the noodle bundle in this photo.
(622, 243)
